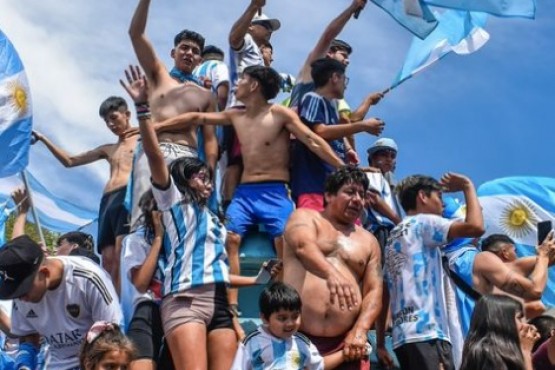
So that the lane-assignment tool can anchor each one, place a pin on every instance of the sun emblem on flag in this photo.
(518, 219)
(18, 97)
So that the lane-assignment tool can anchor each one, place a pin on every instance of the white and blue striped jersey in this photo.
(194, 243)
(212, 73)
(415, 278)
(248, 55)
(262, 351)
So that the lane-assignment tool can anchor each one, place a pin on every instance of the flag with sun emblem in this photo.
(513, 206)
(15, 111)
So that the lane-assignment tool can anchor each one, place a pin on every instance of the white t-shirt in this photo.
(214, 72)
(65, 314)
(414, 276)
(262, 351)
(134, 252)
(248, 55)
(379, 184)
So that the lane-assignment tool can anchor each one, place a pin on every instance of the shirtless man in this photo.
(327, 258)
(113, 223)
(263, 131)
(170, 94)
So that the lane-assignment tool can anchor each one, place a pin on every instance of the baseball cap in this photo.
(340, 44)
(20, 259)
(263, 18)
(211, 49)
(382, 144)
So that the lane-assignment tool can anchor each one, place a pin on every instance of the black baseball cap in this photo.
(340, 44)
(20, 259)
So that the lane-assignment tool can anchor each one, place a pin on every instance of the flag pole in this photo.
(33, 209)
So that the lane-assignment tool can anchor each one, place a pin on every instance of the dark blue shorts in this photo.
(266, 203)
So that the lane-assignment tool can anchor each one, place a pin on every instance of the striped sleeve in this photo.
(100, 295)
(313, 110)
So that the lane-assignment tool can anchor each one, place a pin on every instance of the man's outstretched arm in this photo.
(144, 50)
(69, 160)
(330, 33)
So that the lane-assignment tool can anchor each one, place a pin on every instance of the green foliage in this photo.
(30, 229)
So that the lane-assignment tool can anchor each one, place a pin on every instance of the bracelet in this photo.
(143, 115)
(143, 111)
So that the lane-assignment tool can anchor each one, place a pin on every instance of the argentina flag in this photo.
(513, 206)
(15, 111)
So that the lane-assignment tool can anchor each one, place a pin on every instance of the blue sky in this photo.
(486, 115)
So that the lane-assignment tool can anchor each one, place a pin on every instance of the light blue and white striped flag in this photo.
(513, 206)
(15, 111)
(411, 14)
(500, 8)
(55, 213)
(458, 31)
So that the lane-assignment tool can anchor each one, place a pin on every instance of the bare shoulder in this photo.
(369, 241)
(302, 217)
(283, 112)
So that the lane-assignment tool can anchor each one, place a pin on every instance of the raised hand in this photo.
(21, 200)
(453, 182)
(136, 85)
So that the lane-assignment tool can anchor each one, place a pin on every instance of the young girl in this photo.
(106, 348)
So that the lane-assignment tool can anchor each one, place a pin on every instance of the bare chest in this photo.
(169, 101)
(122, 153)
(349, 251)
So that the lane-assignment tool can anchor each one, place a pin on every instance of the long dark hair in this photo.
(493, 341)
(147, 204)
(182, 170)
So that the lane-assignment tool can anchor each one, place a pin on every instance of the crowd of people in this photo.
(355, 250)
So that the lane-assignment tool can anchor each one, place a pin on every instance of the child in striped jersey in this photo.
(276, 344)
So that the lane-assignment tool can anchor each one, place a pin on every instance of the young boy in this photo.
(112, 215)
(276, 343)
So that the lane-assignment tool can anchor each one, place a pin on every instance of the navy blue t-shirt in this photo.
(308, 170)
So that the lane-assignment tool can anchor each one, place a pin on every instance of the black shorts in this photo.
(425, 355)
(113, 218)
(145, 331)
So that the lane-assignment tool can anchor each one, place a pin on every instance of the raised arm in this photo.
(330, 33)
(142, 276)
(359, 113)
(501, 276)
(301, 236)
(473, 225)
(22, 204)
(312, 141)
(241, 26)
(372, 288)
(73, 160)
(143, 48)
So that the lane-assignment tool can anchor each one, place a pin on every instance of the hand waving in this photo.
(136, 85)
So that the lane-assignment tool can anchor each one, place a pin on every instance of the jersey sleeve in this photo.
(219, 75)
(312, 110)
(20, 325)
(241, 360)
(135, 249)
(166, 198)
(434, 230)
(100, 296)
(314, 361)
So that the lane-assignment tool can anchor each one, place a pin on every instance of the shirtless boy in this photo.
(113, 223)
(170, 93)
(335, 265)
(263, 131)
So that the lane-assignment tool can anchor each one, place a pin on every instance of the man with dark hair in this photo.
(319, 112)
(263, 130)
(335, 266)
(113, 216)
(76, 243)
(169, 94)
(414, 271)
(56, 298)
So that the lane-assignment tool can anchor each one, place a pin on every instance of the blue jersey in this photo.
(415, 278)
(193, 243)
(309, 172)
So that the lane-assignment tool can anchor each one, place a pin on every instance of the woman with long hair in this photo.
(195, 312)
(498, 337)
